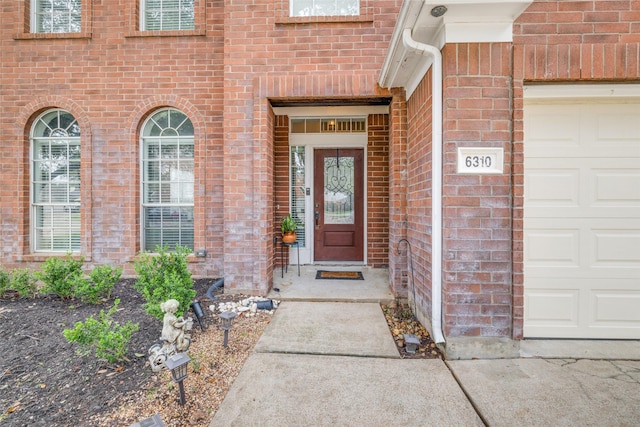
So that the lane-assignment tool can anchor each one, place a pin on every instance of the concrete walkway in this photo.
(322, 363)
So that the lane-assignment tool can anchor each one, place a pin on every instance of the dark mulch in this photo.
(43, 382)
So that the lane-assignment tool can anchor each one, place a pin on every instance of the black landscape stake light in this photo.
(227, 323)
(178, 366)
(197, 310)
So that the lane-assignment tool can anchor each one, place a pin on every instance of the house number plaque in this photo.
(480, 160)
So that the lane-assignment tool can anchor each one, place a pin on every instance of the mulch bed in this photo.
(44, 382)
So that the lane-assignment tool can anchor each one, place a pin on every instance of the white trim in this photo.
(474, 21)
(331, 111)
(312, 142)
(329, 140)
(621, 90)
(434, 53)
(479, 32)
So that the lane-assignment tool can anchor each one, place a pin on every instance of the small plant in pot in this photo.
(288, 227)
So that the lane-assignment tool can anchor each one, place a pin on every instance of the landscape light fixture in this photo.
(438, 11)
(411, 343)
(227, 323)
(178, 366)
(197, 310)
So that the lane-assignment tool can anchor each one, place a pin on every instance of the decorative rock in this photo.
(247, 306)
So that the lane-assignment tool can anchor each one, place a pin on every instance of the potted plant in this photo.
(288, 227)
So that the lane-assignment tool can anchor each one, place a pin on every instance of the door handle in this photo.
(317, 216)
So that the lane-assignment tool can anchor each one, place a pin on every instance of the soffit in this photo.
(464, 21)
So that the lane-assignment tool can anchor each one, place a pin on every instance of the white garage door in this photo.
(582, 215)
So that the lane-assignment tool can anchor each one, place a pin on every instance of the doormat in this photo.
(339, 275)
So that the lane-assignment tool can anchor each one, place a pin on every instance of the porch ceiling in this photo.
(328, 102)
(464, 21)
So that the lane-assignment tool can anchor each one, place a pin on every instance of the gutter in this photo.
(436, 178)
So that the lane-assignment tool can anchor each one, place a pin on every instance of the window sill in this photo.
(49, 36)
(166, 33)
(43, 256)
(289, 20)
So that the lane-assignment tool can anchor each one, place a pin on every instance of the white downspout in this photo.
(436, 179)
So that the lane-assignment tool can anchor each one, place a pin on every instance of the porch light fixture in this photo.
(197, 310)
(227, 323)
(438, 11)
(178, 366)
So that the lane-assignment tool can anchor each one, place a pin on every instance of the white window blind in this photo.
(56, 16)
(167, 180)
(55, 183)
(324, 7)
(298, 192)
(168, 15)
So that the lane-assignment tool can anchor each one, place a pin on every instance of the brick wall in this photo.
(476, 208)
(271, 57)
(476, 271)
(566, 42)
(397, 193)
(378, 190)
(111, 78)
(418, 179)
(281, 178)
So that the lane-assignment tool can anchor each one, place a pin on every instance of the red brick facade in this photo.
(223, 74)
(245, 56)
(554, 41)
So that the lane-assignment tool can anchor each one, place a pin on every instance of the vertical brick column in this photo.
(418, 180)
(378, 190)
(477, 290)
(397, 190)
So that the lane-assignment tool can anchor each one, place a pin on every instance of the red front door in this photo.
(338, 205)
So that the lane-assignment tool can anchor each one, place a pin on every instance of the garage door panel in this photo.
(560, 129)
(611, 187)
(615, 308)
(618, 187)
(616, 249)
(545, 186)
(582, 219)
(587, 130)
(546, 248)
(552, 307)
(615, 126)
(573, 247)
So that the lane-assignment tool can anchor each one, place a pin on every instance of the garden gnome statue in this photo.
(173, 328)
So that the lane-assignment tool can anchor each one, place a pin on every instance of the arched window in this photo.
(55, 183)
(167, 180)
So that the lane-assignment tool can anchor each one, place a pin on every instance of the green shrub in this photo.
(98, 285)
(164, 276)
(24, 282)
(59, 275)
(5, 281)
(106, 337)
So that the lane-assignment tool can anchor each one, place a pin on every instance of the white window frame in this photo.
(181, 26)
(34, 7)
(179, 186)
(47, 201)
(317, 7)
